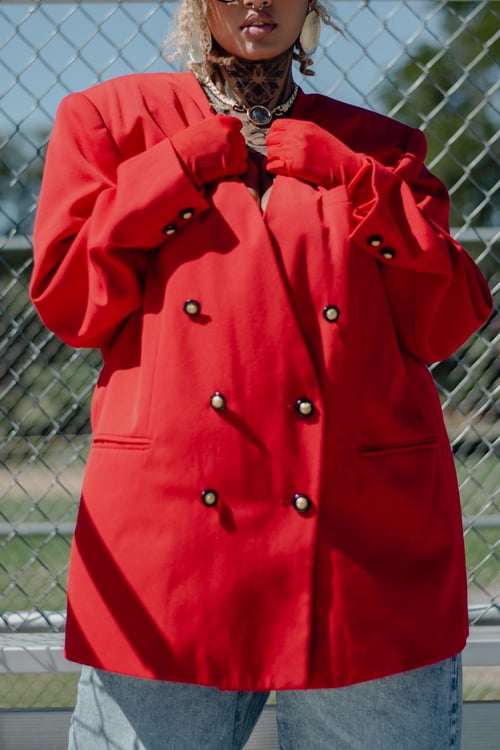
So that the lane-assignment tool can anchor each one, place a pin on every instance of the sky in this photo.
(48, 49)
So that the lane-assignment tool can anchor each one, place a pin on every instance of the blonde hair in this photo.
(192, 41)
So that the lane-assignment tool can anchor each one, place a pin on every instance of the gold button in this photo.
(375, 240)
(304, 407)
(388, 253)
(331, 313)
(301, 503)
(218, 401)
(187, 214)
(170, 229)
(192, 307)
(209, 498)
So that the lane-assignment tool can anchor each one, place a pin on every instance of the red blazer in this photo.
(268, 543)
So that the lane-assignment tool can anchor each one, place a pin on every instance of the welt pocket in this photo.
(390, 448)
(122, 442)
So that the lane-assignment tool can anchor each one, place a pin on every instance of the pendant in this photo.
(259, 116)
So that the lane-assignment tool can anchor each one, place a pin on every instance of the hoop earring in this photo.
(311, 31)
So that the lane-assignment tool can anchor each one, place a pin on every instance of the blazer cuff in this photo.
(389, 225)
(165, 199)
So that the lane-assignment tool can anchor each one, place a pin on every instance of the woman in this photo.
(270, 500)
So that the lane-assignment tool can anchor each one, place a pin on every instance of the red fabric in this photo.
(212, 149)
(308, 152)
(249, 593)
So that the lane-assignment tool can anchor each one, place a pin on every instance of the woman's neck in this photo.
(268, 82)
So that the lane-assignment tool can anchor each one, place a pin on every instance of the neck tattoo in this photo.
(256, 92)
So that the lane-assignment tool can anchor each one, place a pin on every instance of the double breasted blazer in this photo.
(270, 499)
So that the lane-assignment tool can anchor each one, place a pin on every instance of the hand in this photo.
(212, 149)
(301, 149)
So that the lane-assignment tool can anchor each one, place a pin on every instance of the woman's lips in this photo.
(259, 29)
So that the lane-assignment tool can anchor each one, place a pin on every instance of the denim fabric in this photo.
(114, 712)
(417, 710)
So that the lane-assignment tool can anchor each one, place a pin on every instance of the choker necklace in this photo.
(258, 114)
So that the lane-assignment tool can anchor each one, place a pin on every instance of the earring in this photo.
(197, 53)
(311, 30)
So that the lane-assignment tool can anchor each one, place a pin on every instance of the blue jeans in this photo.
(417, 710)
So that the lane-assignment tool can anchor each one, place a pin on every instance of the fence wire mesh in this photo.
(432, 64)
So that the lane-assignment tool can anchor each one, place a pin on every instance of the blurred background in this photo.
(434, 65)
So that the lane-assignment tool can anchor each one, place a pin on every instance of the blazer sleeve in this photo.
(99, 217)
(437, 294)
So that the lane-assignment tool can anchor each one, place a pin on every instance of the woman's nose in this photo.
(256, 4)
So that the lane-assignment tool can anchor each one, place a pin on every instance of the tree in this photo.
(448, 88)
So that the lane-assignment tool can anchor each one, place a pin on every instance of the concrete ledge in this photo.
(43, 652)
(32, 653)
(483, 648)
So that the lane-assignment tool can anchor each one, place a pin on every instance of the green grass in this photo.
(482, 547)
(479, 479)
(33, 570)
(48, 690)
(54, 508)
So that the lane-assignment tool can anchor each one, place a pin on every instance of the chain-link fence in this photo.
(433, 64)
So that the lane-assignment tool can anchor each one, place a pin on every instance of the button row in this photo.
(304, 407)
(300, 502)
(184, 215)
(376, 240)
(192, 307)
